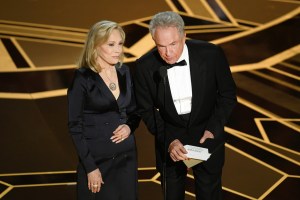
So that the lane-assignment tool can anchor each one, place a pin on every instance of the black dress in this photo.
(94, 114)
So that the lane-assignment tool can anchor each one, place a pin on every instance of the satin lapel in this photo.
(99, 82)
(122, 83)
(197, 79)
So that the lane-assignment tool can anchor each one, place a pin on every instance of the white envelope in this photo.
(198, 153)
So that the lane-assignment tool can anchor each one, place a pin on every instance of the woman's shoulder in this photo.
(84, 72)
(123, 68)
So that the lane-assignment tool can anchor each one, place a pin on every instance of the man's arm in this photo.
(145, 101)
(226, 96)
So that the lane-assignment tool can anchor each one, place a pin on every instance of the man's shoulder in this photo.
(149, 55)
(200, 44)
(149, 59)
(198, 48)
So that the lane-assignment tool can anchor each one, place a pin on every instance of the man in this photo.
(187, 104)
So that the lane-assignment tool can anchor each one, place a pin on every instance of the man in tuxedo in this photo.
(185, 94)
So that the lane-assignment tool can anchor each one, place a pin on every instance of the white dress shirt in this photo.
(180, 84)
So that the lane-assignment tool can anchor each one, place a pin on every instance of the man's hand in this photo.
(177, 151)
(207, 134)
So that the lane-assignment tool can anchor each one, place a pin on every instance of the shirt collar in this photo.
(184, 55)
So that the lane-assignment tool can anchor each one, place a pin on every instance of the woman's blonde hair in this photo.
(98, 35)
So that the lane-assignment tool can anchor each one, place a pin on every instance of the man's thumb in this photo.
(202, 140)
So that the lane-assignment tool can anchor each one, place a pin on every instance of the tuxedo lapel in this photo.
(197, 65)
(163, 99)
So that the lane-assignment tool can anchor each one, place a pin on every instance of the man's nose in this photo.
(168, 51)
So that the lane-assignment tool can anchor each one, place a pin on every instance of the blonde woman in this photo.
(102, 117)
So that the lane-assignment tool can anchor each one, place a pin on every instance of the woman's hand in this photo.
(121, 133)
(95, 180)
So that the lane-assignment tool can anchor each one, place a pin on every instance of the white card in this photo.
(195, 152)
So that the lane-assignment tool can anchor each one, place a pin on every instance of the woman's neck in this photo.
(105, 67)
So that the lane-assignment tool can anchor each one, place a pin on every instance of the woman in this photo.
(102, 117)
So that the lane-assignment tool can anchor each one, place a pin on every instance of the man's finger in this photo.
(179, 156)
(172, 157)
(183, 150)
(202, 140)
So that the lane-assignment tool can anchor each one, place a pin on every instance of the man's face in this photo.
(169, 43)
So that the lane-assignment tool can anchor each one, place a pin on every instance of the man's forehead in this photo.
(165, 38)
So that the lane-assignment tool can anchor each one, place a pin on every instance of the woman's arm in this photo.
(76, 100)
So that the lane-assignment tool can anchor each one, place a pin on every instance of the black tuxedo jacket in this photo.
(213, 90)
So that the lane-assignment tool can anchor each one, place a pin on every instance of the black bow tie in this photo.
(181, 63)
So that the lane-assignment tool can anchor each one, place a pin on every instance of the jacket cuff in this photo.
(89, 165)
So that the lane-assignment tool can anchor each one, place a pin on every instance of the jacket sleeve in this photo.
(134, 118)
(76, 100)
(226, 96)
(146, 102)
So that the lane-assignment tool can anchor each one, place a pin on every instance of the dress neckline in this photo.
(107, 87)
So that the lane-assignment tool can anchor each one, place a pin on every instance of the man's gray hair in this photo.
(166, 19)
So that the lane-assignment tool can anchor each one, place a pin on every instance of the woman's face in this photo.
(109, 52)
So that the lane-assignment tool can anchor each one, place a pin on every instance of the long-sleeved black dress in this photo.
(94, 113)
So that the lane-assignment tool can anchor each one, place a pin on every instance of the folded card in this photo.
(198, 153)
